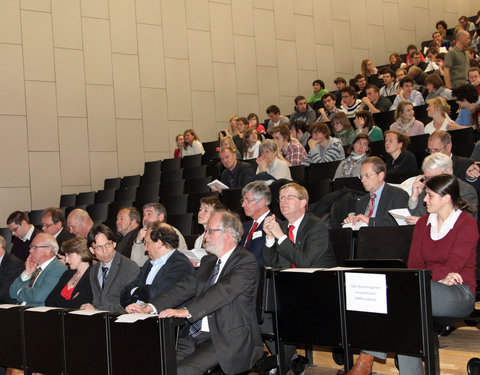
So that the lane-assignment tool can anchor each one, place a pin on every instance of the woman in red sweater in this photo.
(444, 241)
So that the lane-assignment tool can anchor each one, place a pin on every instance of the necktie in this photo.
(371, 204)
(250, 234)
(290, 237)
(34, 276)
(104, 275)
(197, 326)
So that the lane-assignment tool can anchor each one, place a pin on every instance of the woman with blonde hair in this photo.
(439, 110)
(227, 142)
(405, 120)
(370, 73)
(192, 144)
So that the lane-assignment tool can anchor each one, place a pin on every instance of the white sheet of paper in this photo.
(407, 185)
(87, 312)
(7, 306)
(366, 292)
(217, 184)
(302, 270)
(132, 318)
(42, 308)
(195, 254)
(357, 226)
(400, 214)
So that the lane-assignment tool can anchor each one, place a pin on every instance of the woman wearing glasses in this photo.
(73, 289)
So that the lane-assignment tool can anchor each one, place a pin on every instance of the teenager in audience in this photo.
(271, 163)
(439, 111)
(466, 24)
(408, 94)
(323, 147)
(364, 124)
(442, 27)
(350, 104)
(359, 151)
(399, 159)
(329, 107)
(242, 125)
(342, 128)
(474, 78)
(275, 117)
(73, 289)
(340, 82)
(405, 121)
(466, 97)
(400, 73)
(436, 88)
(396, 62)
(390, 86)
(254, 122)
(227, 142)
(370, 73)
(300, 130)
(432, 53)
(290, 148)
(192, 144)
(180, 144)
(361, 84)
(251, 144)
(417, 61)
(318, 91)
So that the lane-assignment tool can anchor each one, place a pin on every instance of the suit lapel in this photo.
(112, 273)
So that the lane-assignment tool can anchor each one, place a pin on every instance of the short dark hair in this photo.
(165, 233)
(253, 115)
(412, 47)
(357, 138)
(349, 90)
(406, 80)
(415, 53)
(273, 109)
(435, 80)
(359, 76)
(442, 23)
(243, 120)
(56, 214)
(100, 229)
(441, 56)
(402, 138)
(283, 129)
(465, 92)
(300, 125)
(133, 214)
(213, 201)
(374, 87)
(17, 217)
(298, 98)
(329, 95)
(378, 164)
(320, 82)
(389, 71)
(340, 80)
(78, 246)
(320, 127)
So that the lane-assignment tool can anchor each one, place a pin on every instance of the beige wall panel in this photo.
(174, 29)
(242, 17)
(342, 46)
(406, 15)
(393, 43)
(97, 52)
(339, 10)
(154, 108)
(225, 90)
(450, 18)
(245, 66)
(305, 79)
(101, 118)
(126, 84)
(374, 12)
(322, 22)
(123, 30)
(73, 134)
(13, 199)
(303, 7)
(265, 37)
(130, 147)
(449, 6)
(14, 142)
(404, 36)
(10, 31)
(70, 82)
(150, 55)
(326, 65)
(305, 42)
(44, 179)
(41, 116)
(12, 100)
(357, 56)
(267, 86)
(153, 156)
(284, 20)
(287, 68)
(423, 29)
(221, 32)
(203, 108)
(74, 189)
(67, 26)
(40, 5)
(358, 24)
(95, 8)
(149, 11)
(435, 13)
(200, 50)
(174, 128)
(376, 42)
(178, 89)
(286, 105)
(37, 46)
(263, 4)
(421, 4)
(391, 1)
(247, 104)
(197, 15)
(102, 165)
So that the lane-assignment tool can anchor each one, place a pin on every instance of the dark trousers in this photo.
(196, 355)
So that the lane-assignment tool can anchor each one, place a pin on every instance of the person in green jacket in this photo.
(318, 91)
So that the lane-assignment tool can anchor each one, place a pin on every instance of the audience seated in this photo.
(361, 85)
(192, 144)
(474, 78)
(318, 91)
(242, 125)
(275, 117)
(435, 88)
(180, 145)
(233, 127)
(418, 77)
(374, 102)
(10, 268)
(251, 144)
(165, 267)
(53, 223)
(417, 60)
(371, 73)
(271, 163)
(410, 49)
(442, 27)
(466, 24)
(237, 173)
(23, 234)
(128, 225)
(396, 62)
(300, 131)
(359, 150)
(399, 159)
(466, 97)
(405, 120)
(364, 124)
(407, 93)
(390, 86)
(227, 142)
(350, 105)
(372, 209)
(254, 122)
(438, 110)
(432, 54)
(329, 108)
(303, 111)
(73, 289)
(341, 83)
(79, 223)
(290, 148)
(400, 73)
(342, 128)
(323, 148)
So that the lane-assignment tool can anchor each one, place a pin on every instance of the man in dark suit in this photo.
(219, 299)
(256, 197)
(128, 225)
(10, 268)
(23, 234)
(373, 208)
(111, 273)
(237, 173)
(165, 267)
(42, 272)
(53, 223)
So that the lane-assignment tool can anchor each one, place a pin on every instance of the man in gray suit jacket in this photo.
(42, 272)
(111, 273)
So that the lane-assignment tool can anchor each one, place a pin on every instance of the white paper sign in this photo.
(366, 292)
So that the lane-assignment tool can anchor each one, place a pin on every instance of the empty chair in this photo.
(172, 189)
(112, 183)
(384, 119)
(322, 170)
(197, 172)
(462, 136)
(5, 233)
(210, 147)
(298, 173)
(171, 175)
(35, 217)
(198, 185)
(190, 240)
(125, 194)
(183, 222)
(68, 200)
(142, 201)
(418, 146)
(399, 177)
(98, 212)
(130, 181)
(191, 161)
(85, 198)
(151, 172)
(317, 189)
(353, 183)
(176, 205)
(103, 196)
(231, 200)
(463, 150)
(169, 164)
(148, 191)
(377, 148)
(342, 243)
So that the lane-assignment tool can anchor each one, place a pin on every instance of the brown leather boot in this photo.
(363, 365)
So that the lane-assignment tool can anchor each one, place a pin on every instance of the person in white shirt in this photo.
(408, 94)
(390, 87)
(192, 144)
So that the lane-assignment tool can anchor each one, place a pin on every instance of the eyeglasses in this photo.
(367, 176)
(36, 247)
(288, 197)
(212, 230)
(103, 247)
(434, 150)
(13, 230)
(47, 225)
(247, 200)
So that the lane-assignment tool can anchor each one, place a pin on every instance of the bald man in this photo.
(457, 61)
(79, 223)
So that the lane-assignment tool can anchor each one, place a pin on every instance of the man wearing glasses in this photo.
(42, 272)
(53, 223)
(372, 209)
(23, 234)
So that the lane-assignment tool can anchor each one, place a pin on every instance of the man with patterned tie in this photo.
(42, 272)
(372, 209)
(219, 299)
